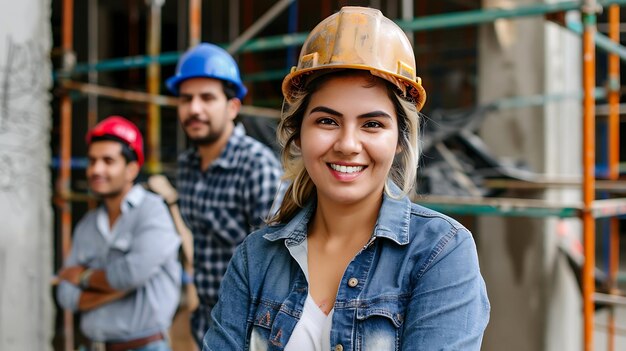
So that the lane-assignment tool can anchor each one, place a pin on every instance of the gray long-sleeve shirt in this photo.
(139, 254)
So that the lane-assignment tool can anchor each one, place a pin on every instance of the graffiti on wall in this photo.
(24, 100)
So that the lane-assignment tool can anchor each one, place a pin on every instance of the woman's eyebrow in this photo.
(330, 111)
(326, 110)
(375, 114)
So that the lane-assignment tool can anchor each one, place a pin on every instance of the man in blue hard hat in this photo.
(227, 181)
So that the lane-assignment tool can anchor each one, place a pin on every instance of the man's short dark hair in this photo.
(128, 154)
(230, 90)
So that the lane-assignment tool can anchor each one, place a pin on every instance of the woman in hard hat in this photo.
(349, 262)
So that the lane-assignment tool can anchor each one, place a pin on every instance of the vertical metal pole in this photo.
(614, 94)
(233, 22)
(377, 4)
(613, 147)
(92, 44)
(182, 44)
(195, 22)
(589, 129)
(420, 41)
(133, 37)
(65, 167)
(292, 27)
(407, 15)
(247, 60)
(154, 81)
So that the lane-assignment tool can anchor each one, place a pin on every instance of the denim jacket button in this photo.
(339, 347)
(352, 282)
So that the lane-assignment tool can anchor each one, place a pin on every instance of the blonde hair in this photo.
(301, 188)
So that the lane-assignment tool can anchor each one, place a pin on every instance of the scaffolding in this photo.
(588, 209)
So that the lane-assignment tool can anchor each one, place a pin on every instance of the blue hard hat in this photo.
(207, 61)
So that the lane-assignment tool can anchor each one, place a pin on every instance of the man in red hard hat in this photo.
(122, 274)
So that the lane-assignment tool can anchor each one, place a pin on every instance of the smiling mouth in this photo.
(346, 169)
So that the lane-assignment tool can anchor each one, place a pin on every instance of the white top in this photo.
(312, 332)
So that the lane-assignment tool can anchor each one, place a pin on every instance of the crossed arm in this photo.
(96, 291)
(154, 242)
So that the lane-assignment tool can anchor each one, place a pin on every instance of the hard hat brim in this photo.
(294, 81)
(173, 85)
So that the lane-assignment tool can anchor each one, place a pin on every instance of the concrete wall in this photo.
(535, 299)
(25, 210)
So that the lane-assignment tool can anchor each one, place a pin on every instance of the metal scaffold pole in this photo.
(195, 22)
(613, 157)
(153, 125)
(589, 240)
(65, 168)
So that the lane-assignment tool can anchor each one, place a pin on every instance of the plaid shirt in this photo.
(225, 203)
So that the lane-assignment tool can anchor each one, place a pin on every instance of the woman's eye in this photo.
(329, 121)
(372, 124)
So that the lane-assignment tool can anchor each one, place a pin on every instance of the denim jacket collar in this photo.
(392, 223)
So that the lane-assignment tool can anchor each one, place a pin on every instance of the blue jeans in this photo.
(160, 345)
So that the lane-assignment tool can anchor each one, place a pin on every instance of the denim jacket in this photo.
(415, 286)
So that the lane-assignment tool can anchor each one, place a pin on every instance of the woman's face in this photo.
(349, 138)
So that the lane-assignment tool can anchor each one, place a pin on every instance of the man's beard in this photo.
(208, 139)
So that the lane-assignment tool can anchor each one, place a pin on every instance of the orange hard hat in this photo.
(358, 38)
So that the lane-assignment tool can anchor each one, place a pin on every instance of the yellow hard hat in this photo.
(358, 38)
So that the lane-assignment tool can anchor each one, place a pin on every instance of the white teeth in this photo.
(346, 169)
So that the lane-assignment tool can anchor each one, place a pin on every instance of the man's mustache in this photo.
(194, 119)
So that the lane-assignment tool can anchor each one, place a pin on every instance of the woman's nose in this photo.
(348, 142)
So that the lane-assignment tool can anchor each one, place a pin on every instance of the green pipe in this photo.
(540, 100)
(265, 76)
(165, 58)
(490, 210)
(602, 41)
(274, 42)
(466, 18)
(475, 17)
(450, 20)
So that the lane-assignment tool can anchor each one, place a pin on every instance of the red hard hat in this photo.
(123, 129)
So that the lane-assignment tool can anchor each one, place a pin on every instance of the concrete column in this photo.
(25, 210)
(534, 295)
